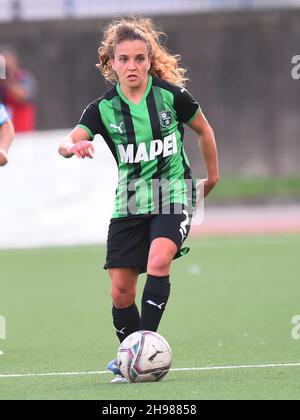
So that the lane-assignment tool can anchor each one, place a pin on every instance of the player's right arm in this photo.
(7, 133)
(6, 137)
(77, 143)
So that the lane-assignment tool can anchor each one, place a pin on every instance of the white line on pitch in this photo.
(27, 375)
(199, 369)
(281, 365)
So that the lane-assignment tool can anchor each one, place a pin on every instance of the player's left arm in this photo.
(208, 148)
(6, 137)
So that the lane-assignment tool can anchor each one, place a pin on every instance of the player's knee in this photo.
(159, 264)
(122, 297)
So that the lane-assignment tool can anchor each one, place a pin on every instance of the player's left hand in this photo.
(209, 184)
(3, 157)
(204, 187)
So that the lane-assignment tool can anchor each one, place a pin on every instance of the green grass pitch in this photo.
(232, 304)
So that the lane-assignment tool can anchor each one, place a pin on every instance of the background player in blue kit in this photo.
(6, 135)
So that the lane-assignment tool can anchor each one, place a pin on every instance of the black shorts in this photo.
(130, 238)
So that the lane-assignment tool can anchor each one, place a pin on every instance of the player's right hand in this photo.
(3, 157)
(82, 149)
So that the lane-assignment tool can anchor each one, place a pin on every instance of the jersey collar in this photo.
(149, 86)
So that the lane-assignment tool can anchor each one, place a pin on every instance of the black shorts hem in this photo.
(142, 269)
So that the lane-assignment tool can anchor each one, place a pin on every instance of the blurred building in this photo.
(61, 9)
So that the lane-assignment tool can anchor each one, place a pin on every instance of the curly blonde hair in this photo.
(163, 64)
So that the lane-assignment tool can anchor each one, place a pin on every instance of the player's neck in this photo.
(134, 94)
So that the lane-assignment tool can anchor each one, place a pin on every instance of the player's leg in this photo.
(161, 254)
(157, 288)
(126, 244)
(126, 316)
(167, 234)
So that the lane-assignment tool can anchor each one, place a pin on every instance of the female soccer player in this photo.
(141, 119)
(6, 135)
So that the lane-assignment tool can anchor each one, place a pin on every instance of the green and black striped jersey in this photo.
(146, 140)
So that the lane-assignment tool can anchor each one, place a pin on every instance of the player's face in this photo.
(132, 63)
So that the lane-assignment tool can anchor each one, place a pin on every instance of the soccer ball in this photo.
(144, 356)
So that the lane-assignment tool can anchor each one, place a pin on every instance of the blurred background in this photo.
(239, 57)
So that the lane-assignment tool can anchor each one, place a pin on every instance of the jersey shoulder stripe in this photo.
(164, 84)
(91, 120)
(109, 95)
(185, 105)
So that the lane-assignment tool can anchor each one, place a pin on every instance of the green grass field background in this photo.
(256, 190)
(232, 302)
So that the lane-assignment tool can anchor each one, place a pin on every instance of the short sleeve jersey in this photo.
(146, 140)
(3, 114)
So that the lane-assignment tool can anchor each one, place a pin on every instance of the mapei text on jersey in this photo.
(165, 147)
